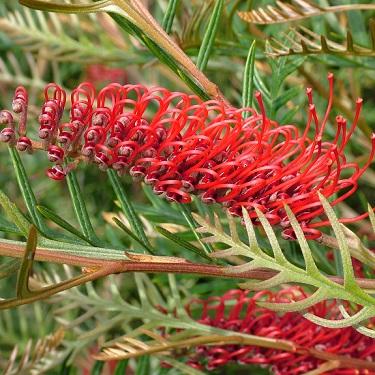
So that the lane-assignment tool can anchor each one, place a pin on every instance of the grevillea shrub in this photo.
(182, 146)
(237, 311)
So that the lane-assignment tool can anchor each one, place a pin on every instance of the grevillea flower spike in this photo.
(237, 311)
(189, 147)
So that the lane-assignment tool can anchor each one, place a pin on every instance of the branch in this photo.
(94, 269)
(135, 12)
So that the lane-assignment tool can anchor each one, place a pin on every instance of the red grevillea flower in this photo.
(237, 311)
(182, 146)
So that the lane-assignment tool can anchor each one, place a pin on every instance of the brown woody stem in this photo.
(151, 264)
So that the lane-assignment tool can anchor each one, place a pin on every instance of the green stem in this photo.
(137, 13)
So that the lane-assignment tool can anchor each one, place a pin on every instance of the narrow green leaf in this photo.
(371, 216)
(154, 293)
(128, 210)
(223, 253)
(358, 327)
(13, 211)
(180, 308)
(279, 256)
(159, 214)
(349, 279)
(22, 287)
(253, 243)
(121, 367)
(357, 249)
(9, 268)
(312, 300)
(277, 280)
(65, 368)
(6, 226)
(252, 265)
(193, 225)
(97, 368)
(365, 331)
(290, 67)
(187, 245)
(219, 227)
(288, 116)
(365, 313)
(202, 222)
(181, 366)
(80, 209)
(232, 228)
(49, 214)
(287, 95)
(142, 292)
(27, 192)
(311, 267)
(170, 15)
(261, 86)
(31, 203)
(143, 365)
(248, 80)
(131, 234)
(209, 36)
(281, 70)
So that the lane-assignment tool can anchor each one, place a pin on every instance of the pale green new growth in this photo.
(288, 272)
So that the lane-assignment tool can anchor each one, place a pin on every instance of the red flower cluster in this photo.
(182, 146)
(237, 311)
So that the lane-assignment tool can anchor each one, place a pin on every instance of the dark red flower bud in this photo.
(55, 154)
(56, 172)
(24, 144)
